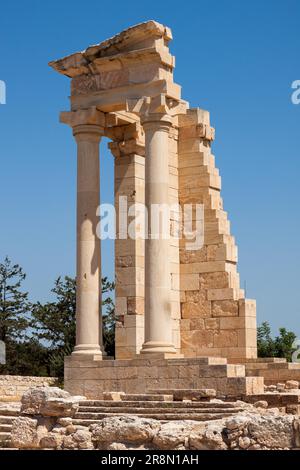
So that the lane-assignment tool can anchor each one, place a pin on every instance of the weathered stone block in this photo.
(189, 281)
(121, 305)
(135, 305)
(197, 339)
(196, 324)
(204, 267)
(216, 280)
(223, 294)
(193, 310)
(247, 308)
(212, 323)
(224, 308)
(195, 296)
(225, 338)
(193, 256)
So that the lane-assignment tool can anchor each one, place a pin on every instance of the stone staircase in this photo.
(157, 406)
(274, 369)
(7, 415)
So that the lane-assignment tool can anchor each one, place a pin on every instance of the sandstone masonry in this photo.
(171, 301)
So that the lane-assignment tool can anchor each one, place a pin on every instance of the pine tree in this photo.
(53, 323)
(14, 305)
(109, 318)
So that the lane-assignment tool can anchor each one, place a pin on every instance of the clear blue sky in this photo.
(236, 59)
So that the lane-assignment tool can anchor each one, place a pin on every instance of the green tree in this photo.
(284, 344)
(109, 318)
(26, 358)
(14, 305)
(265, 343)
(281, 346)
(54, 322)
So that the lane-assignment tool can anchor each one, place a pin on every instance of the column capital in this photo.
(84, 121)
(157, 109)
(88, 132)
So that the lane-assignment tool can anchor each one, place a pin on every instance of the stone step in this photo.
(5, 427)
(161, 405)
(188, 394)
(9, 412)
(158, 411)
(4, 445)
(259, 360)
(6, 419)
(147, 397)
(160, 417)
(4, 437)
(154, 404)
(275, 399)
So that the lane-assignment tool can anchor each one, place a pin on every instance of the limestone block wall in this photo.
(173, 255)
(13, 386)
(216, 319)
(129, 181)
(91, 378)
(273, 370)
(210, 315)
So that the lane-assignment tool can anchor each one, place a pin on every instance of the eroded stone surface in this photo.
(250, 427)
(124, 429)
(49, 401)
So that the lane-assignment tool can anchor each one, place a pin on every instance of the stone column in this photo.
(88, 127)
(158, 323)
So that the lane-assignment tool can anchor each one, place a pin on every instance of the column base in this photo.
(156, 347)
(87, 350)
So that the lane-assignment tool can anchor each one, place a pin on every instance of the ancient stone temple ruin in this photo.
(184, 321)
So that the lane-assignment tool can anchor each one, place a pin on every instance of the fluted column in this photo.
(88, 127)
(158, 325)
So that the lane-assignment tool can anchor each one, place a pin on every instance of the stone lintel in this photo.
(121, 118)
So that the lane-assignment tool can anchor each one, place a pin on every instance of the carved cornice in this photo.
(122, 46)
